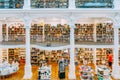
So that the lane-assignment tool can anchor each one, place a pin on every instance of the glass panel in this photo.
(49, 3)
(11, 3)
(94, 3)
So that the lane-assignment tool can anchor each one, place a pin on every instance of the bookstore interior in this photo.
(57, 40)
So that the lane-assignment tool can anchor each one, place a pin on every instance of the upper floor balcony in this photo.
(11, 4)
(58, 4)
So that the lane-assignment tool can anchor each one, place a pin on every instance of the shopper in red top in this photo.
(110, 59)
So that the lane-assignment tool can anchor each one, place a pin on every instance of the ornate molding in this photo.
(26, 17)
(71, 20)
(116, 20)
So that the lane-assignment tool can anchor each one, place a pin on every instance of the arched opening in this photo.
(50, 32)
(12, 31)
(94, 31)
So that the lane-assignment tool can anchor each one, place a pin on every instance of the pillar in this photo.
(27, 4)
(116, 4)
(43, 32)
(115, 66)
(72, 4)
(72, 52)
(28, 71)
(94, 59)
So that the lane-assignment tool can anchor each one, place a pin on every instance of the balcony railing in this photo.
(11, 4)
(94, 3)
(49, 3)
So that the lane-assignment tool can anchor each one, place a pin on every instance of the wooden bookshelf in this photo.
(13, 54)
(34, 56)
(4, 54)
(84, 33)
(39, 56)
(58, 33)
(36, 32)
(83, 54)
(16, 33)
(104, 32)
(22, 52)
(4, 27)
(102, 55)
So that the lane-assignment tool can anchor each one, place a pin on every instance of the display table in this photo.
(86, 73)
(103, 72)
(8, 69)
(44, 73)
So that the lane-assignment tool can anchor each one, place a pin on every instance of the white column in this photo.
(0, 55)
(94, 59)
(116, 4)
(72, 53)
(72, 4)
(115, 66)
(28, 71)
(27, 4)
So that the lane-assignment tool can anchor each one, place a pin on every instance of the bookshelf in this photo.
(4, 53)
(49, 3)
(4, 28)
(83, 54)
(84, 32)
(16, 32)
(34, 56)
(22, 52)
(13, 54)
(59, 33)
(102, 55)
(104, 32)
(36, 32)
(39, 56)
